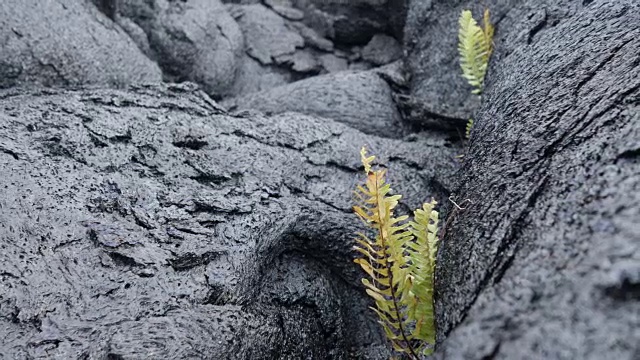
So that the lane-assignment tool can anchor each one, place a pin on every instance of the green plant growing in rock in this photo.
(475, 45)
(400, 258)
(400, 262)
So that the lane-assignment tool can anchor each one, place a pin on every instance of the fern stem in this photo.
(388, 266)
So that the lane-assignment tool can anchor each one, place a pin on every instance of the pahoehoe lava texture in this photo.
(67, 42)
(545, 263)
(151, 222)
(361, 99)
(148, 223)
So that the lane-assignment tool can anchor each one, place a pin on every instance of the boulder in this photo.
(362, 100)
(67, 43)
(332, 63)
(544, 260)
(353, 22)
(382, 50)
(253, 77)
(283, 47)
(348, 23)
(149, 223)
(266, 35)
(195, 40)
(278, 51)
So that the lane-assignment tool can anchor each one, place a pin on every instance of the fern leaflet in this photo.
(422, 257)
(467, 132)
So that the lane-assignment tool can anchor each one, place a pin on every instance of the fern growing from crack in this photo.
(399, 261)
(475, 45)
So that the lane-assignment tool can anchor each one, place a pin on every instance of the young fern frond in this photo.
(467, 132)
(400, 262)
(475, 45)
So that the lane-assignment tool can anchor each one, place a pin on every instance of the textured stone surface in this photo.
(348, 22)
(195, 40)
(382, 50)
(66, 42)
(295, 40)
(266, 35)
(312, 38)
(353, 22)
(545, 263)
(362, 100)
(332, 63)
(150, 224)
(253, 77)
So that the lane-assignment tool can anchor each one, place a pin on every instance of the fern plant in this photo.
(475, 45)
(399, 261)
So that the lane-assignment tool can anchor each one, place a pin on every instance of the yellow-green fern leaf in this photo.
(422, 258)
(474, 47)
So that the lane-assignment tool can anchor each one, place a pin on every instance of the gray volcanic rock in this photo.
(382, 50)
(545, 261)
(195, 40)
(253, 77)
(150, 224)
(277, 51)
(67, 42)
(312, 38)
(285, 10)
(353, 22)
(362, 100)
(266, 35)
(332, 63)
(284, 48)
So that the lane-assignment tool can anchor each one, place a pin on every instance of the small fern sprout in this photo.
(400, 263)
(467, 133)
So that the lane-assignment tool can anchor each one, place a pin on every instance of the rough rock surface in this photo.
(545, 261)
(67, 43)
(382, 50)
(280, 48)
(150, 224)
(266, 35)
(195, 40)
(362, 100)
(254, 77)
(351, 22)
